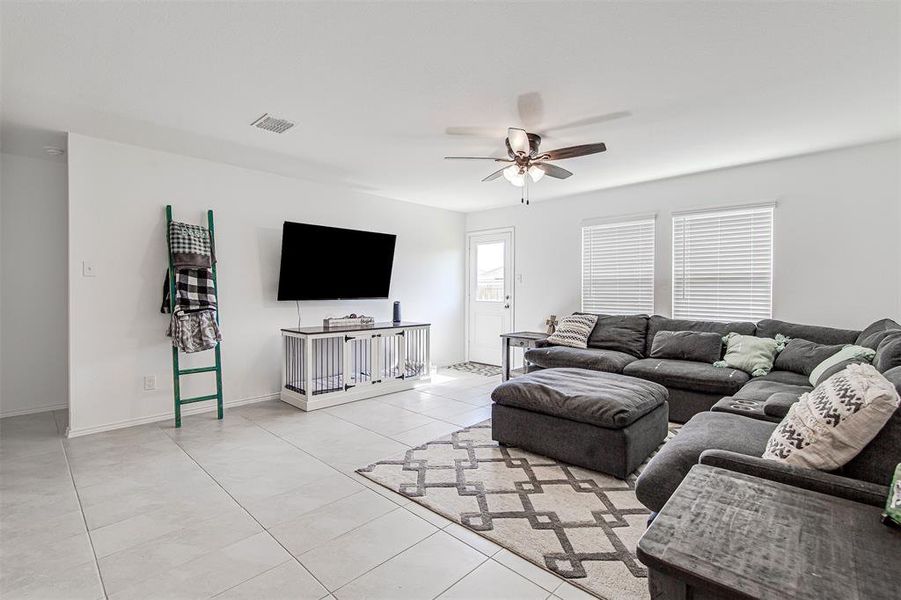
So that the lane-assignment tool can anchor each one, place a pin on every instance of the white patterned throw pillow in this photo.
(829, 426)
(573, 331)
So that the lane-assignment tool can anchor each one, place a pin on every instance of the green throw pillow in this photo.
(849, 352)
(752, 354)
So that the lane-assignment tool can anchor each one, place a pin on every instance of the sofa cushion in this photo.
(760, 389)
(621, 333)
(573, 331)
(603, 399)
(688, 375)
(888, 353)
(841, 365)
(700, 346)
(788, 377)
(801, 356)
(722, 431)
(778, 404)
(821, 335)
(875, 332)
(552, 357)
(829, 426)
(848, 353)
(657, 323)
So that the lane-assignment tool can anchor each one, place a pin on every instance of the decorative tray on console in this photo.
(350, 320)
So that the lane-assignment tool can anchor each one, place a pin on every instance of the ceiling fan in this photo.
(525, 160)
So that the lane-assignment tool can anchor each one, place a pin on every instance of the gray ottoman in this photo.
(601, 421)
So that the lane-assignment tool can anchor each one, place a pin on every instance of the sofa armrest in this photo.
(808, 479)
(542, 344)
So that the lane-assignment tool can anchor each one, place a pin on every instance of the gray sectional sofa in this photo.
(624, 344)
(729, 415)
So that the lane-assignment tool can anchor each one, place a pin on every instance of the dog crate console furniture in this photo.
(324, 367)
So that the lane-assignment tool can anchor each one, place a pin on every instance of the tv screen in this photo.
(328, 263)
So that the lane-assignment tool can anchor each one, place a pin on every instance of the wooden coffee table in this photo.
(730, 535)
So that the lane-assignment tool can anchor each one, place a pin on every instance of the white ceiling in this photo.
(374, 86)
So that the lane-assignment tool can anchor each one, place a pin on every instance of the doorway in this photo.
(489, 289)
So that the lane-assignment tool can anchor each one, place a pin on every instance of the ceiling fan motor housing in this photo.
(534, 142)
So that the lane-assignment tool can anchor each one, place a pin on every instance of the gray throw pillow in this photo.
(621, 333)
(687, 345)
(801, 356)
(888, 353)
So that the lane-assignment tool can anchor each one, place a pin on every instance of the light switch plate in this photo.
(149, 383)
(87, 269)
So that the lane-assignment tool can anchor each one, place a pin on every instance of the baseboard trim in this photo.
(33, 410)
(201, 407)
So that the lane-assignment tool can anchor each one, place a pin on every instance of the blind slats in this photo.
(618, 267)
(723, 265)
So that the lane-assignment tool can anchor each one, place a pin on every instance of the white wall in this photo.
(837, 240)
(33, 316)
(117, 195)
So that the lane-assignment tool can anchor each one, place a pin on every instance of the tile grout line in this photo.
(331, 592)
(235, 500)
(83, 517)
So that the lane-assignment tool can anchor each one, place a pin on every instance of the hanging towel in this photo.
(193, 326)
(194, 331)
(194, 290)
(190, 245)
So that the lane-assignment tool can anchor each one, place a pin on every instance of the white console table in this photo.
(328, 366)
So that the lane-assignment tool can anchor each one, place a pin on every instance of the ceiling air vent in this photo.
(273, 124)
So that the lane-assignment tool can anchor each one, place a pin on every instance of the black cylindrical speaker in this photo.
(396, 311)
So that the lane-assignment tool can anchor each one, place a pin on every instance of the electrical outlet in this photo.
(149, 383)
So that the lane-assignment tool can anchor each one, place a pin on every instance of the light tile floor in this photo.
(264, 504)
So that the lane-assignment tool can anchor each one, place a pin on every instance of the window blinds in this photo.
(723, 264)
(618, 267)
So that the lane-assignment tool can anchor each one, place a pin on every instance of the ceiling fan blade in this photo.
(591, 120)
(519, 140)
(554, 170)
(485, 132)
(495, 175)
(477, 158)
(530, 107)
(573, 151)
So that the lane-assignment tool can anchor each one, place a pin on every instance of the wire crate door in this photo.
(416, 352)
(361, 360)
(393, 355)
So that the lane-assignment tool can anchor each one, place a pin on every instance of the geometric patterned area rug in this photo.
(477, 368)
(579, 524)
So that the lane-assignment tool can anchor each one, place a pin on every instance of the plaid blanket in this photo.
(194, 290)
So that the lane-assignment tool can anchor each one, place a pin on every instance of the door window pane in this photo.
(490, 272)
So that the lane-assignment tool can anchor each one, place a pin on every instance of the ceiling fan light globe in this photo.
(511, 172)
(536, 173)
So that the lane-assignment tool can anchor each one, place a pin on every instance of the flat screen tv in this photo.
(329, 263)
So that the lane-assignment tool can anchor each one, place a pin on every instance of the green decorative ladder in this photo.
(176, 371)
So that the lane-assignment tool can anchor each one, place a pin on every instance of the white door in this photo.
(490, 294)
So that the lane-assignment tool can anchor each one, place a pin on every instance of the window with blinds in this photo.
(618, 267)
(723, 264)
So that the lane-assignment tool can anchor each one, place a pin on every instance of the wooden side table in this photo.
(729, 535)
(517, 339)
